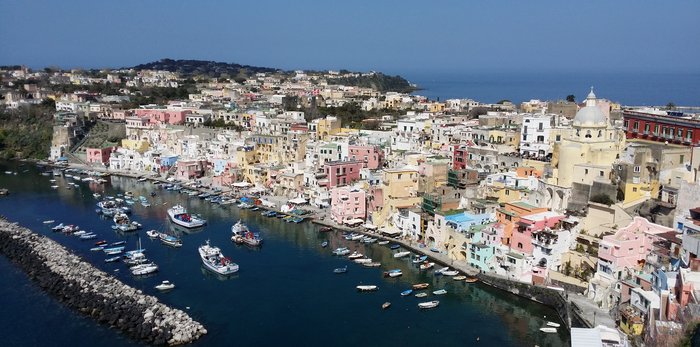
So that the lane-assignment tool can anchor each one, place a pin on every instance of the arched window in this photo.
(578, 132)
(520, 245)
(600, 133)
(588, 134)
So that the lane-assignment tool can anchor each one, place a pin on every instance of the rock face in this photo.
(94, 293)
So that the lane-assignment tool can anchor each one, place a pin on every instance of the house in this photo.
(340, 173)
(99, 155)
(348, 203)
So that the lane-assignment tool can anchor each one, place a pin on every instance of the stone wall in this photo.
(94, 293)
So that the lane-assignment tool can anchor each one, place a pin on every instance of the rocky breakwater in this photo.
(84, 288)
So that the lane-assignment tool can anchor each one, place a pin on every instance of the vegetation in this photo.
(204, 68)
(350, 114)
(220, 123)
(602, 199)
(376, 81)
(571, 98)
(26, 133)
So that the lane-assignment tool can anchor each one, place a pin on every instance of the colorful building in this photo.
(372, 157)
(661, 126)
(340, 173)
(348, 203)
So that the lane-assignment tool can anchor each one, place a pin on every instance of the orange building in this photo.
(510, 214)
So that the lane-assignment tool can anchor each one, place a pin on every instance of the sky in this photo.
(382, 35)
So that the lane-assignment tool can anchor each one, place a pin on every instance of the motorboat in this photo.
(88, 236)
(459, 278)
(441, 270)
(144, 269)
(179, 216)
(419, 259)
(393, 273)
(429, 304)
(395, 246)
(367, 288)
(324, 244)
(407, 292)
(382, 243)
(471, 280)
(215, 261)
(426, 266)
(355, 255)
(554, 325)
(112, 259)
(49, 221)
(402, 254)
(118, 243)
(170, 240)
(153, 234)
(58, 227)
(450, 273)
(386, 305)
(242, 235)
(362, 260)
(341, 251)
(101, 243)
(98, 248)
(421, 295)
(440, 292)
(419, 286)
(372, 264)
(165, 285)
(340, 270)
(548, 330)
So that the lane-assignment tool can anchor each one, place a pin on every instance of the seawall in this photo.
(94, 293)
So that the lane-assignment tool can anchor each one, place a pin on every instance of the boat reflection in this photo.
(178, 230)
(209, 274)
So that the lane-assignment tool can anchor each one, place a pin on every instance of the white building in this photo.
(534, 139)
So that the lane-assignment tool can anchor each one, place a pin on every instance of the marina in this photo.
(291, 258)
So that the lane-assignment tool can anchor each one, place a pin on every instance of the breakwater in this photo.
(88, 290)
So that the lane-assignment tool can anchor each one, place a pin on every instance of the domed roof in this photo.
(591, 115)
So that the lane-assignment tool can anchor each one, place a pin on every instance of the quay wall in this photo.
(94, 293)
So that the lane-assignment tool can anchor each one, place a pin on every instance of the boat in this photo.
(49, 221)
(418, 286)
(554, 325)
(58, 227)
(324, 244)
(471, 279)
(386, 305)
(340, 270)
(419, 259)
(402, 254)
(426, 266)
(112, 259)
(54, 186)
(548, 330)
(341, 251)
(165, 285)
(118, 243)
(441, 270)
(242, 235)
(142, 179)
(101, 243)
(88, 236)
(179, 216)
(450, 273)
(366, 288)
(395, 246)
(135, 251)
(356, 237)
(372, 264)
(435, 250)
(98, 248)
(362, 260)
(393, 273)
(355, 255)
(152, 234)
(215, 261)
(144, 269)
(440, 292)
(325, 229)
(170, 240)
(459, 278)
(421, 295)
(383, 242)
(96, 195)
(407, 292)
(429, 304)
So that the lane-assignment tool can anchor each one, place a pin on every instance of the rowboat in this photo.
(471, 279)
(420, 259)
(363, 260)
(394, 246)
(366, 288)
(426, 266)
(402, 254)
(419, 286)
(440, 292)
(450, 273)
(421, 295)
(459, 278)
(340, 270)
(407, 292)
(386, 305)
(324, 244)
(429, 304)
(393, 273)
(383, 242)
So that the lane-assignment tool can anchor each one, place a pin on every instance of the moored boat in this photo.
(325, 229)
(144, 269)
(324, 244)
(421, 295)
(419, 259)
(548, 330)
(450, 273)
(372, 264)
(215, 261)
(366, 288)
(426, 266)
(440, 292)
(395, 246)
(459, 278)
(386, 305)
(179, 216)
(393, 273)
(418, 286)
(402, 254)
(471, 279)
(407, 292)
(152, 234)
(340, 270)
(554, 325)
(382, 243)
(242, 235)
(429, 304)
(362, 260)
(341, 251)
(165, 285)
(112, 259)
(355, 255)
(170, 240)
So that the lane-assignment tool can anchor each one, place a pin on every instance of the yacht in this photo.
(179, 216)
(215, 261)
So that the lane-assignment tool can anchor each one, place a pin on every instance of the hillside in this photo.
(26, 132)
(204, 68)
(377, 81)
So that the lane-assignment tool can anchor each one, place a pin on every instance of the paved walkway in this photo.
(591, 312)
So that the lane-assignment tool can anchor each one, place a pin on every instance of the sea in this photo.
(285, 293)
(646, 88)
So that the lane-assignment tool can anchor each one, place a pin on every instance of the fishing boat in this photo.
(179, 216)
(426, 265)
(340, 270)
(402, 254)
(324, 244)
(383, 242)
(355, 255)
(393, 273)
(372, 264)
(386, 305)
(341, 251)
(165, 285)
(366, 288)
(429, 304)
(459, 278)
(170, 240)
(548, 330)
(554, 325)
(419, 259)
(144, 269)
(395, 246)
(419, 286)
(440, 292)
(450, 273)
(421, 295)
(215, 261)
(242, 235)
(407, 292)
(152, 234)
(112, 259)
(471, 279)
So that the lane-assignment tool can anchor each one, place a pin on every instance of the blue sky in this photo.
(393, 36)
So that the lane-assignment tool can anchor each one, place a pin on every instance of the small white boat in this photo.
(429, 304)
(382, 243)
(386, 305)
(341, 251)
(49, 221)
(366, 288)
(152, 234)
(165, 285)
(426, 266)
(402, 254)
(450, 273)
(552, 324)
(459, 278)
(421, 295)
(54, 186)
(440, 292)
(363, 261)
(144, 269)
(372, 264)
(355, 255)
(548, 330)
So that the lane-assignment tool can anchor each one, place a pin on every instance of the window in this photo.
(507, 192)
(681, 159)
(637, 168)
(656, 129)
(680, 132)
(635, 180)
(689, 134)
(601, 173)
(585, 171)
(634, 189)
(646, 128)
(636, 125)
(558, 138)
(520, 245)
(525, 129)
(627, 124)
(540, 127)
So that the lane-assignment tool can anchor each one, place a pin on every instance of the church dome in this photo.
(591, 115)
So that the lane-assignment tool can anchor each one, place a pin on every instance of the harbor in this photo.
(290, 274)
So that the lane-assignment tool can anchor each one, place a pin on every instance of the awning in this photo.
(390, 232)
(370, 226)
(353, 221)
(241, 184)
(257, 190)
(297, 201)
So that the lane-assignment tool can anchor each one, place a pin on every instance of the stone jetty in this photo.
(86, 289)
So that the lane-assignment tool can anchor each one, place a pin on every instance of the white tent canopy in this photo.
(390, 232)
(242, 184)
(353, 221)
(297, 201)
(370, 226)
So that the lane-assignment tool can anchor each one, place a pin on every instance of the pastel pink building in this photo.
(372, 157)
(99, 155)
(162, 116)
(190, 169)
(340, 173)
(528, 226)
(347, 203)
(628, 247)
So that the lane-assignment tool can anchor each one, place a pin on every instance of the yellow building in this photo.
(327, 126)
(140, 146)
(399, 190)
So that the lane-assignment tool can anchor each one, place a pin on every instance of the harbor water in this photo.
(285, 292)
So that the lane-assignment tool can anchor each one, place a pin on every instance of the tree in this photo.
(571, 98)
(602, 199)
(670, 106)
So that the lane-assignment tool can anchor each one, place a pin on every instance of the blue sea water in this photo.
(627, 88)
(285, 293)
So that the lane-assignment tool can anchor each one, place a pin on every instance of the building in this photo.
(99, 155)
(372, 157)
(535, 135)
(348, 203)
(662, 126)
(340, 173)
